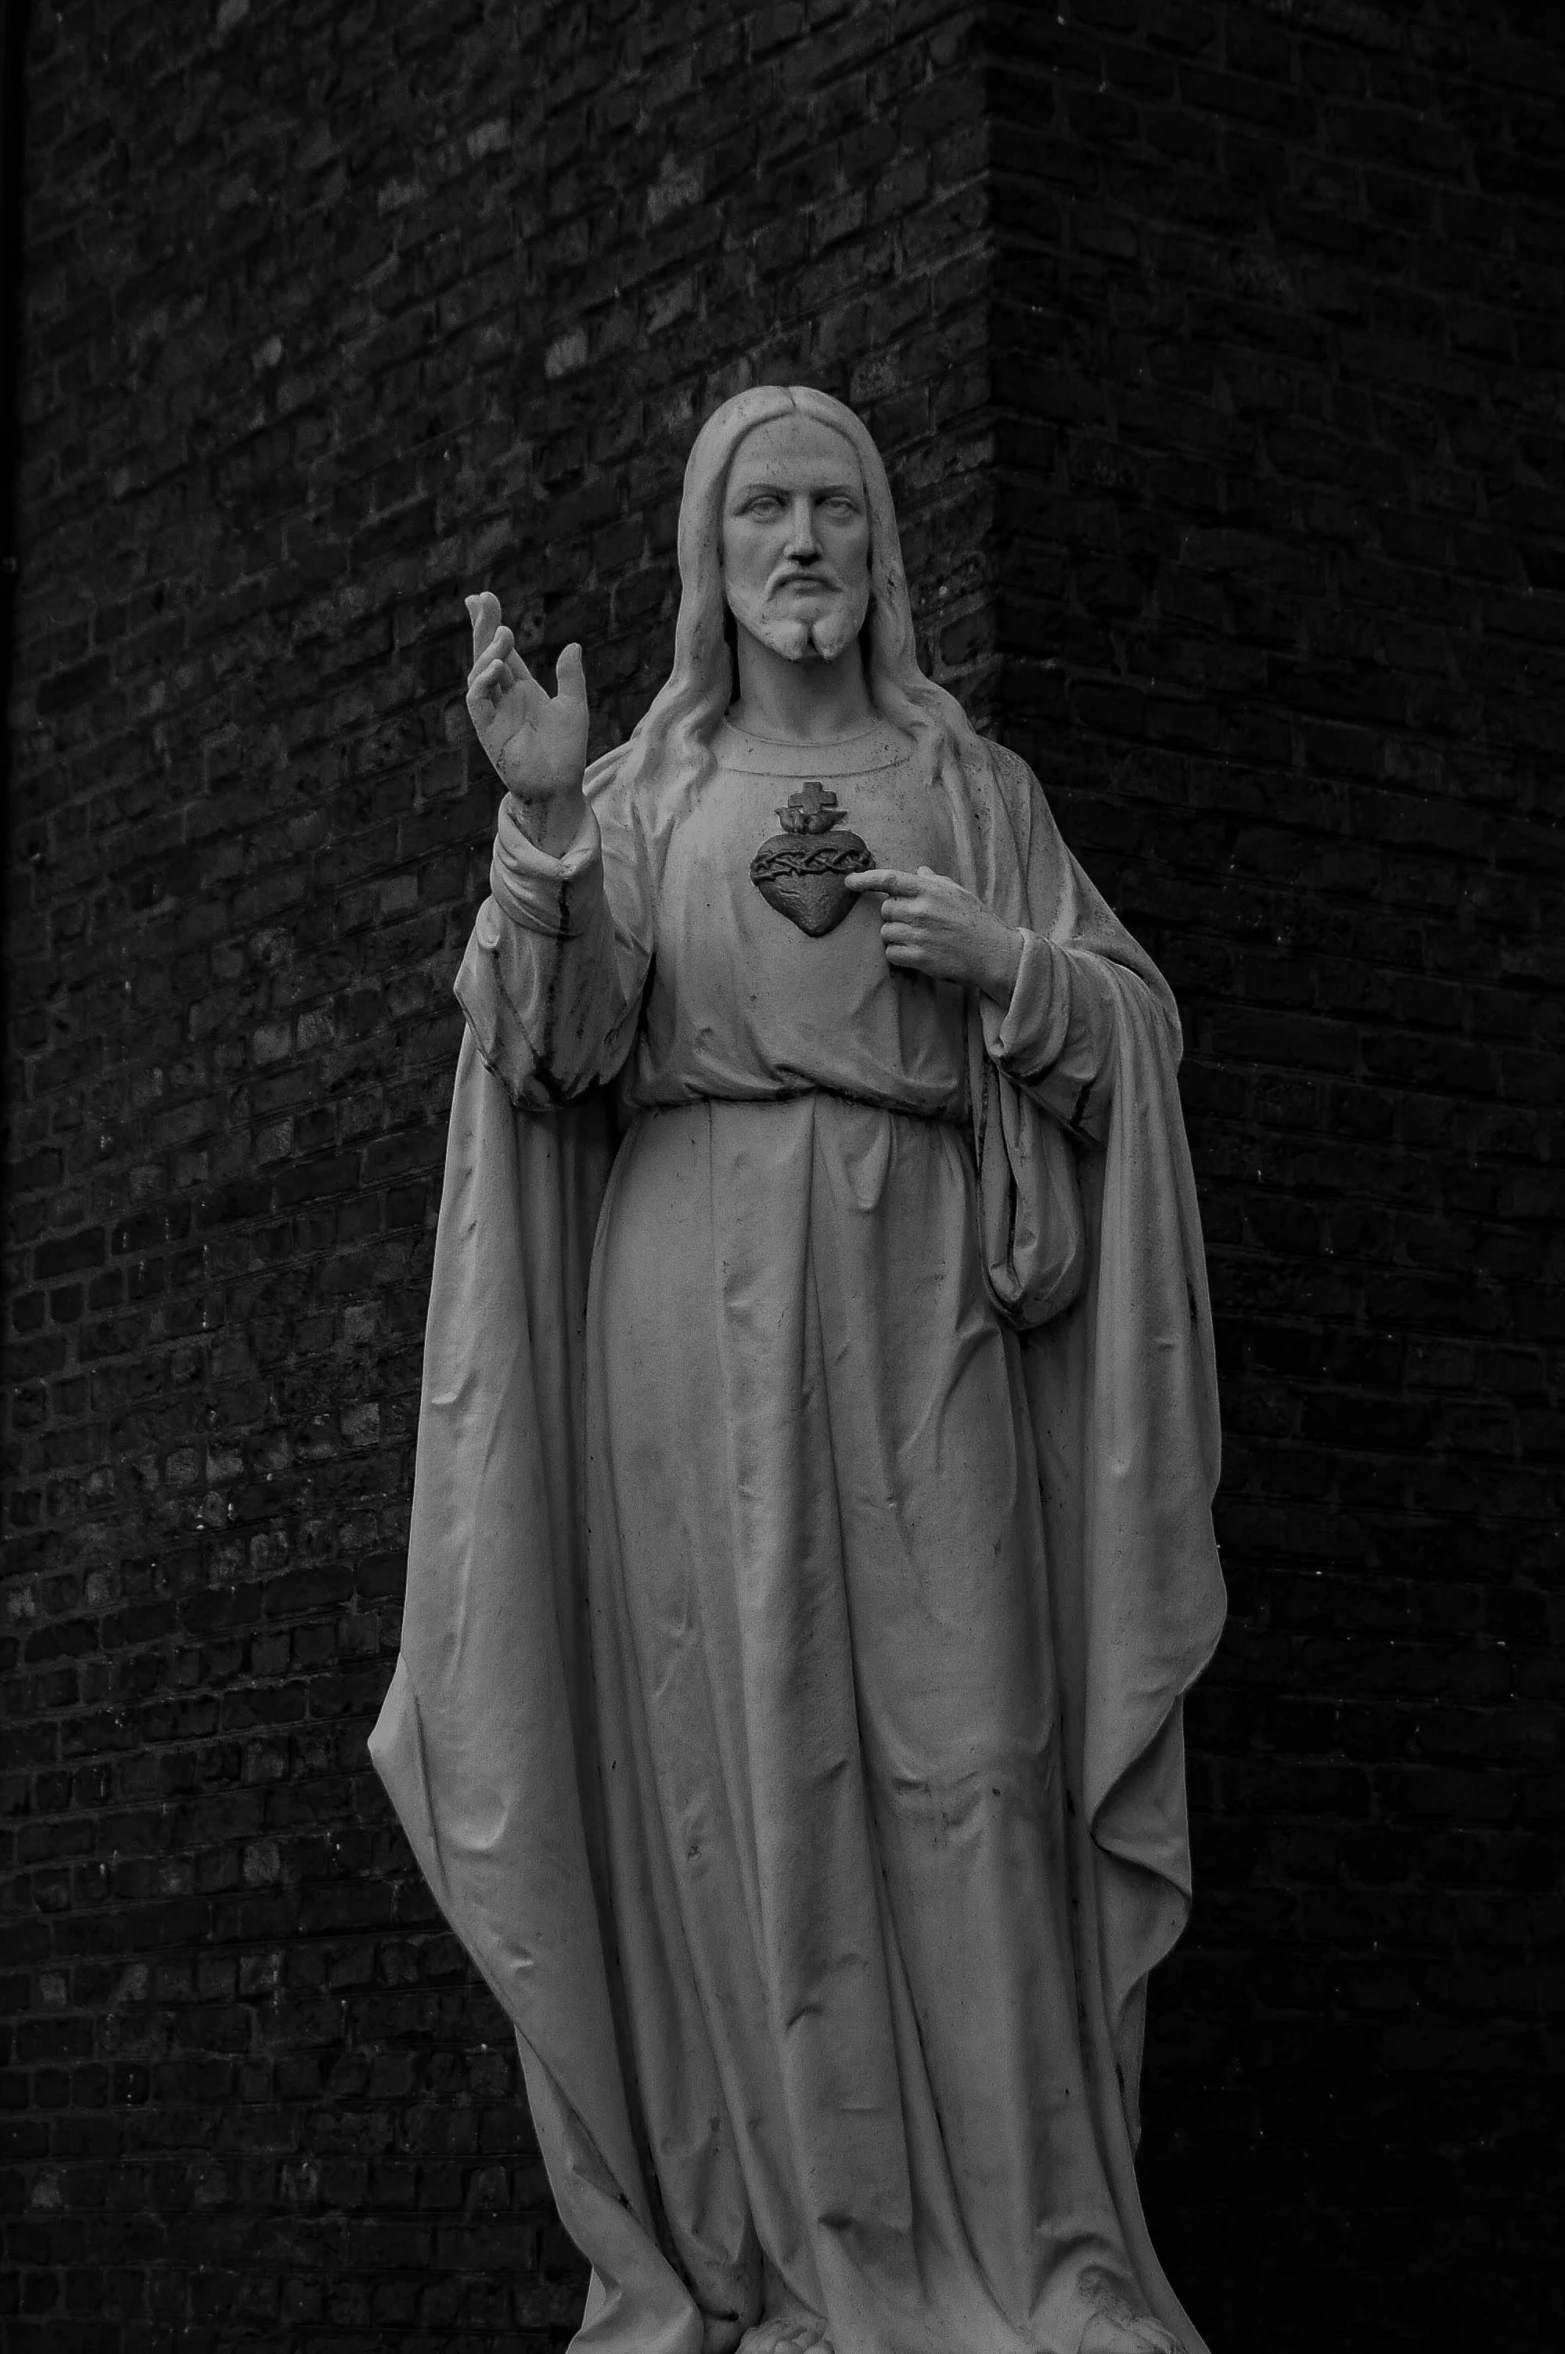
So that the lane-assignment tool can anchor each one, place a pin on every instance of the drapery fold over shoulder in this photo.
(487, 1742)
(1124, 1397)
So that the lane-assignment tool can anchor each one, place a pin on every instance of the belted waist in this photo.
(943, 1115)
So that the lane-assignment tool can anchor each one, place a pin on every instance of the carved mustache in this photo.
(821, 574)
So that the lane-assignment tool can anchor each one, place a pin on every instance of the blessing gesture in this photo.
(536, 743)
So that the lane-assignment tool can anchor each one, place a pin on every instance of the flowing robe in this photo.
(789, 1716)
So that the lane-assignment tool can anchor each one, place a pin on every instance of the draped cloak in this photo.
(522, 1722)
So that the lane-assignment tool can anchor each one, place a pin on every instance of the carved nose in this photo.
(801, 531)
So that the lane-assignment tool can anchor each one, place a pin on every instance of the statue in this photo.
(811, 1539)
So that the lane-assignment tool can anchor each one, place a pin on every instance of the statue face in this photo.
(796, 538)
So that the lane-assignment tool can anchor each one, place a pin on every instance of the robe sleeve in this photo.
(1059, 1039)
(1055, 1039)
(1044, 1068)
(552, 980)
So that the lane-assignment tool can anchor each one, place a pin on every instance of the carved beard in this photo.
(828, 635)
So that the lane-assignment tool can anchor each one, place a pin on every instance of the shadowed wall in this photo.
(1279, 367)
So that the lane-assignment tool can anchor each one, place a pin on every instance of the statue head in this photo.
(676, 733)
(795, 538)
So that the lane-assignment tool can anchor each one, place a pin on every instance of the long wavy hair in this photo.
(672, 743)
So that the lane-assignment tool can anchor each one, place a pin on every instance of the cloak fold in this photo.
(487, 1741)
(484, 1740)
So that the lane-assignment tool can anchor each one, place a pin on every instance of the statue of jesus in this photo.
(812, 1540)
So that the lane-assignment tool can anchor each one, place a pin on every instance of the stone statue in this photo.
(811, 1538)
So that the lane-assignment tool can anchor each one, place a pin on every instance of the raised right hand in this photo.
(536, 743)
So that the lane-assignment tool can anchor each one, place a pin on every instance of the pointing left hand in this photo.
(929, 924)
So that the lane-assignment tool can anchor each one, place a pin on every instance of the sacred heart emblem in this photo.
(800, 871)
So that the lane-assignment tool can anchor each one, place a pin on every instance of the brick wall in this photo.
(1281, 370)
(332, 314)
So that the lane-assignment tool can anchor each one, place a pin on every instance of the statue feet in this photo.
(1117, 2325)
(787, 2333)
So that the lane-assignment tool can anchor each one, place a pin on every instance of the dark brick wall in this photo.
(333, 313)
(1280, 359)
(1253, 334)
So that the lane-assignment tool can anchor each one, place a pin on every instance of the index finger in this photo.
(484, 613)
(889, 879)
